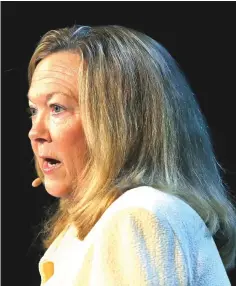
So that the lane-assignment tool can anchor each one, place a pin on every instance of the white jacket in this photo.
(146, 237)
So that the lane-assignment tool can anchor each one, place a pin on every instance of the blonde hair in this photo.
(143, 126)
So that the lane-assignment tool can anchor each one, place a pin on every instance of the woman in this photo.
(119, 138)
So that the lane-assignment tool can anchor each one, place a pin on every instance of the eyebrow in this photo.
(50, 95)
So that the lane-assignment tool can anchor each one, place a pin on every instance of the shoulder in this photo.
(134, 243)
(152, 213)
(146, 201)
(148, 198)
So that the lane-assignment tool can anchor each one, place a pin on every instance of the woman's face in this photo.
(56, 130)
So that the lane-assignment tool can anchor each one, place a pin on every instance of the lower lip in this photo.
(49, 169)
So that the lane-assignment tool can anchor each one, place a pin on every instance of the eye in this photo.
(31, 111)
(57, 108)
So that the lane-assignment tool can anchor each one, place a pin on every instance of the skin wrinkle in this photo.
(58, 83)
(69, 72)
(72, 73)
(60, 134)
(45, 77)
(50, 95)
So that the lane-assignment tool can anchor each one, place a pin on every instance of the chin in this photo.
(57, 190)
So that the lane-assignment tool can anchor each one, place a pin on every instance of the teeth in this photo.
(52, 165)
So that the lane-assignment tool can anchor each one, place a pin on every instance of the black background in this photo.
(199, 35)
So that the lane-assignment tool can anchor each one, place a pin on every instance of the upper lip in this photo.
(49, 157)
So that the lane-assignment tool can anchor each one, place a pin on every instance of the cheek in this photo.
(73, 149)
(33, 146)
(71, 140)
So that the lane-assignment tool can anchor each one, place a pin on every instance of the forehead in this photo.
(56, 73)
(65, 63)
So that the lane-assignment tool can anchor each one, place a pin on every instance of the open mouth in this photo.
(50, 165)
(52, 162)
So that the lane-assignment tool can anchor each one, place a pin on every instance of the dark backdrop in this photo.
(200, 36)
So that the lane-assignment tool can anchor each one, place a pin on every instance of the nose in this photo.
(39, 131)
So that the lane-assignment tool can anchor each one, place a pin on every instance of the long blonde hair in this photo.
(143, 126)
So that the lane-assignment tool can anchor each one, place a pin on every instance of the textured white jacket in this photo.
(146, 237)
